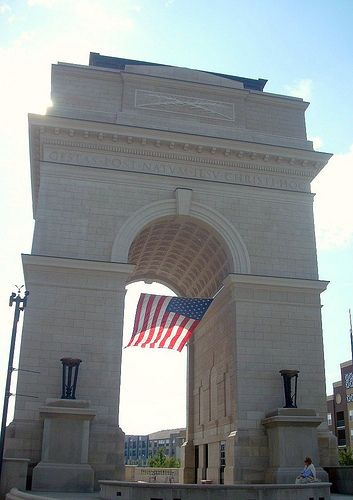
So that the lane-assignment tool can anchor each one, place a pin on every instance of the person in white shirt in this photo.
(308, 474)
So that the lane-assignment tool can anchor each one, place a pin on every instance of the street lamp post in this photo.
(351, 332)
(20, 304)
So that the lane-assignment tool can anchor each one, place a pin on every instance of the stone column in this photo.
(213, 469)
(277, 325)
(230, 458)
(76, 310)
(187, 454)
(211, 388)
(202, 463)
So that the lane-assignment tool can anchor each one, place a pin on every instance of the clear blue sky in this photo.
(303, 48)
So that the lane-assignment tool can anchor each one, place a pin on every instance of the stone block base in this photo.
(287, 475)
(188, 461)
(24, 439)
(63, 477)
(13, 474)
(111, 490)
(292, 435)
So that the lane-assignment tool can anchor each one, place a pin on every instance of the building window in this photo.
(348, 378)
(351, 415)
(349, 398)
(340, 419)
(341, 437)
(329, 419)
(222, 460)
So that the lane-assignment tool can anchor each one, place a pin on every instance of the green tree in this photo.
(161, 460)
(174, 463)
(345, 456)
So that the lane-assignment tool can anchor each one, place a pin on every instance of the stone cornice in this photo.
(80, 264)
(221, 85)
(267, 290)
(159, 146)
(274, 282)
(62, 412)
(283, 100)
(346, 363)
(187, 147)
(289, 421)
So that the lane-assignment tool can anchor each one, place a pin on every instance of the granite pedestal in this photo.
(292, 435)
(64, 464)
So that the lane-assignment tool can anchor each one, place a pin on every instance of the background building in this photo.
(170, 440)
(340, 407)
(139, 448)
(136, 450)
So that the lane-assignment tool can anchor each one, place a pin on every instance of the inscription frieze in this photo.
(157, 167)
(184, 104)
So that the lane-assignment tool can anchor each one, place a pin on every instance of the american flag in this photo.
(163, 321)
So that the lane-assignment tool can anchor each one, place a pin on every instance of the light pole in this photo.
(351, 332)
(20, 304)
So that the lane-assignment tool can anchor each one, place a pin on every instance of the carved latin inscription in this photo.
(183, 104)
(228, 175)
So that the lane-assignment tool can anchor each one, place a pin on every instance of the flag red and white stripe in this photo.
(163, 321)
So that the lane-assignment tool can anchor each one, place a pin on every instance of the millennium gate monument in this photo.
(200, 181)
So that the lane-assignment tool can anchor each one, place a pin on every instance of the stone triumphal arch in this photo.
(202, 182)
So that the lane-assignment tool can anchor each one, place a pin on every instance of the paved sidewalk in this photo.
(69, 496)
(95, 496)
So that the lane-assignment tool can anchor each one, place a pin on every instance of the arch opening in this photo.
(183, 253)
(139, 220)
(191, 259)
(155, 377)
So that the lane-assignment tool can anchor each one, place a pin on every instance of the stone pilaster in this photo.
(76, 310)
(264, 324)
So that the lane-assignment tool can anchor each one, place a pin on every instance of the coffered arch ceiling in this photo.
(183, 253)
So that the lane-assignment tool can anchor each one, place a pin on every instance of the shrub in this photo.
(162, 461)
(345, 456)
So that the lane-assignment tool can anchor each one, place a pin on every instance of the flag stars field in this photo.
(163, 321)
